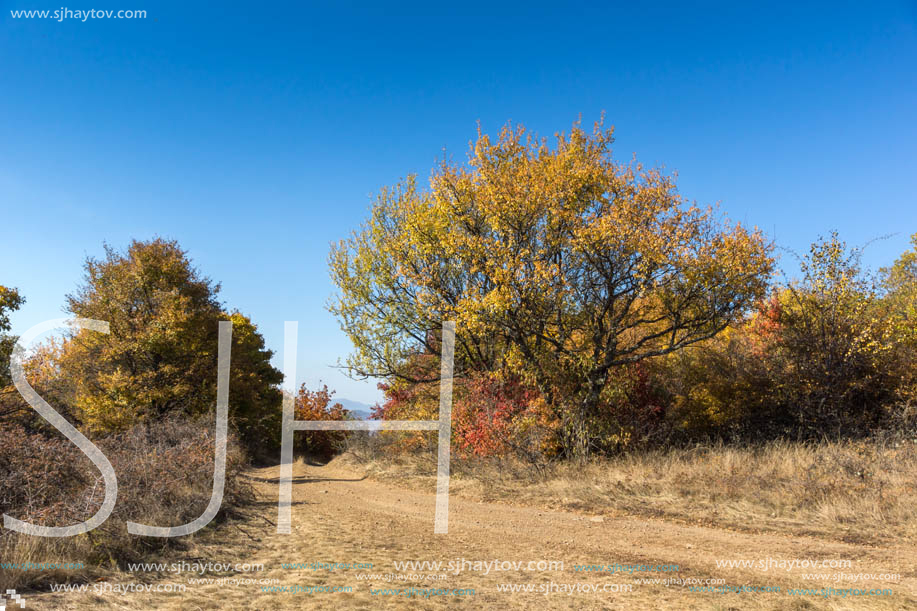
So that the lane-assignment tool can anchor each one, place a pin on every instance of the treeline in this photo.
(158, 360)
(830, 356)
(597, 311)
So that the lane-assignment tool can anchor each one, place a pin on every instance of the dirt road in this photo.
(341, 518)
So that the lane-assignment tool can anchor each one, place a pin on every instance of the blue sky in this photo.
(256, 136)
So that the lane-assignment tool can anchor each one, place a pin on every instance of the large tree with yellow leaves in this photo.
(161, 354)
(557, 263)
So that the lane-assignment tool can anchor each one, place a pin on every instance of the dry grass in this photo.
(165, 477)
(337, 515)
(859, 492)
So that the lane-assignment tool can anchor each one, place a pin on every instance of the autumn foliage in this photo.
(317, 405)
(598, 311)
(560, 266)
(159, 359)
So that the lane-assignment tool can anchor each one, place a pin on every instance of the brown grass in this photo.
(337, 515)
(859, 492)
(165, 476)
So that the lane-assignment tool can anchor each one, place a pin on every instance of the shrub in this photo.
(165, 478)
(498, 414)
(316, 405)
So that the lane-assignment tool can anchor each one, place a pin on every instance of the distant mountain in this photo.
(360, 411)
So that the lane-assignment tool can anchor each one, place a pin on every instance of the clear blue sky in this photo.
(255, 136)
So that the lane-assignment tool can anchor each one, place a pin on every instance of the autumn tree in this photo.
(41, 369)
(10, 301)
(899, 288)
(730, 386)
(830, 353)
(318, 405)
(832, 342)
(254, 388)
(903, 273)
(898, 283)
(160, 355)
(559, 264)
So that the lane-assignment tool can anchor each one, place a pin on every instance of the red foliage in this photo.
(486, 412)
(766, 323)
(316, 405)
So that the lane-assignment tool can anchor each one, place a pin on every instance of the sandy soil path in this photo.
(341, 517)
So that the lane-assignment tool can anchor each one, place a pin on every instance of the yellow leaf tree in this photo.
(160, 357)
(557, 263)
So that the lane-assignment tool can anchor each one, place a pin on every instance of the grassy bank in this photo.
(859, 492)
(165, 478)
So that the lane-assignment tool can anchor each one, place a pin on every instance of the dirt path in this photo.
(339, 517)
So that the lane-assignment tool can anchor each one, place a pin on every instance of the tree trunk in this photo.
(581, 433)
